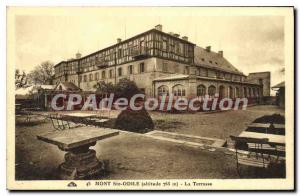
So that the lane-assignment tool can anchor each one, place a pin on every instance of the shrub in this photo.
(136, 121)
(126, 88)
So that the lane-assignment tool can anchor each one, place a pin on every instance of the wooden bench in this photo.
(256, 156)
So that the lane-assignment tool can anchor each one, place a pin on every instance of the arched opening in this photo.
(221, 91)
(245, 92)
(250, 92)
(178, 90)
(96, 76)
(237, 92)
(201, 90)
(211, 90)
(103, 75)
(231, 93)
(163, 90)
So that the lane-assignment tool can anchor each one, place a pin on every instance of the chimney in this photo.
(78, 55)
(185, 38)
(171, 33)
(221, 53)
(158, 27)
(176, 35)
(208, 48)
(119, 40)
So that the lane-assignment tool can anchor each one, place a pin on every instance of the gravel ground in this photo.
(134, 156)
(215, 125)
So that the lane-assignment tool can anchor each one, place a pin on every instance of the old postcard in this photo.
(150, 98)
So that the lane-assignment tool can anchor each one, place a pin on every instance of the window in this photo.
(258, 92)
(163, 90)
(142, 67)
(84, 78)
(119, 53)
(120, 71)
(80, 78)
(97, 76)
(181, 49)
(201, 90)
(221, 91)
(203, 59)
(130, 69)
(211, 91)
(250, 92)
(91, 77)
(178, 90)
(164, 46)
(111, 73)
(210, 61)
(103, 75)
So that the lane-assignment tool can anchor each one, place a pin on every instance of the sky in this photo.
(251, 43)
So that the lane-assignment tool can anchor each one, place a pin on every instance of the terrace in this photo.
(139, 156)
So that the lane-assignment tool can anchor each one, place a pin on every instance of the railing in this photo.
(102, 62)
(139, 51)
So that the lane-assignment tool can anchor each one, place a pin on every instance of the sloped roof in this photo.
(68, 86)
(213, 60)
(47, 87)
(24, 91)
(280, 85)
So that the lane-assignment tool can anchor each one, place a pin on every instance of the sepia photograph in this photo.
(150, 98)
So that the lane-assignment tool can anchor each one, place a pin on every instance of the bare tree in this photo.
(20, 79)
(42, 74)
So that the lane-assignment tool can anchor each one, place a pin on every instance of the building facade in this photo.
(163, 63)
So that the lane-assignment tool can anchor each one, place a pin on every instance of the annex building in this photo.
(163, 63)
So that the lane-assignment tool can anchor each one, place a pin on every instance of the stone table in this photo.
(80, 161)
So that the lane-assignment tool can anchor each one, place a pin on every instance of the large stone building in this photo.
(163, 63)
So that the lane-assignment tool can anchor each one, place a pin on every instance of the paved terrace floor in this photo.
(135, 156)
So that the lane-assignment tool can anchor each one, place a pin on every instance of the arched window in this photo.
(103, 75)
(120, 71)
(231, 93)
(221, 91)
(97, 76)
(211, 90)
(237, 92)
(245, 92)
(201, 90)
(250, 92)
(163, 90)
(178, 90)
(254, 92)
